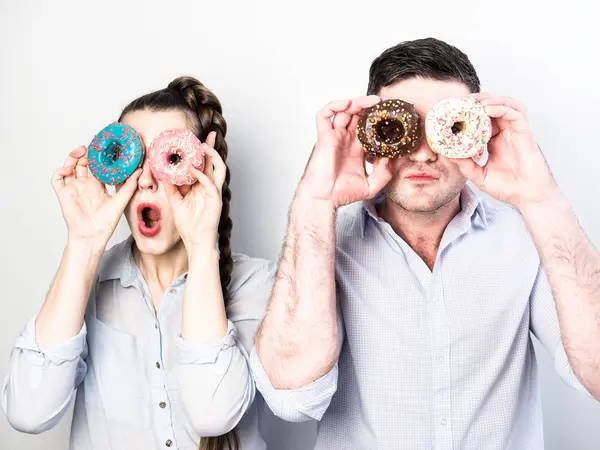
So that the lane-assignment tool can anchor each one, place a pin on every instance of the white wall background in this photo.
(68, 67)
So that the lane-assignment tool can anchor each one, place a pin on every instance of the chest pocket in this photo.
(116, 381)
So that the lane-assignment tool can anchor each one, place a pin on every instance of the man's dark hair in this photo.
(424, 58)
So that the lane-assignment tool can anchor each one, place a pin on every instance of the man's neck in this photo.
(422, 231)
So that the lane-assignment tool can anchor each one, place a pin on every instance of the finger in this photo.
(65, 171)
(351, 116)
(219, 168)
(479, 96)
(211, 138)
(324, 116)
(174, 195)
(472, 171)
(353, 123)
(380, 176)
(81, 169)
(360, 103)
(208, 163)
(478, 156)
(128, 189)
(71, 160)
(208, 185)
(504, 101)
(506, 115)
(69, 173)
(341, 120)
(57, 180)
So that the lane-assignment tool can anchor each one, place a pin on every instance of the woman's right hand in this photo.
(90, 212)
(336, 170)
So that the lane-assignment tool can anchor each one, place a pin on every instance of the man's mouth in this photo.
(148, 219)
(424, 176)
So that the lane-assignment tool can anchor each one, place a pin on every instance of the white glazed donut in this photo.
(458, 128)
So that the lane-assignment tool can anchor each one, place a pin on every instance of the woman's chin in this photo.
(155, 244)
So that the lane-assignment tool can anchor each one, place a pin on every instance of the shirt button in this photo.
(443, 422)
(156, 325)
(157, 365)
(173, 291)
(169, 442)
(163, 405)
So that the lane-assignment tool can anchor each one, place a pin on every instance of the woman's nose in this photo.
(146, 181)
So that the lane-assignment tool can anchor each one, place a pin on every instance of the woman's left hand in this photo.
(197, 213)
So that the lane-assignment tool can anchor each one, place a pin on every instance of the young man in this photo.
(405, 319)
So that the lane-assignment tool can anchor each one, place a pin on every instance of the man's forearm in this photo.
(572, 266)
(297, 342)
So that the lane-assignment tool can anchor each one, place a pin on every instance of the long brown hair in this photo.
(204, 113)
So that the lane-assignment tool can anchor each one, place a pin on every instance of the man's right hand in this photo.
(336, 170)
(90, 212)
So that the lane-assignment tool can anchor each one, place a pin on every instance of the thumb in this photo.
(380, 176)
(173, 195)
(128, 189)
(472, 171)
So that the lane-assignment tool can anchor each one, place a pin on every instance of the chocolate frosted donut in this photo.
(389, 129)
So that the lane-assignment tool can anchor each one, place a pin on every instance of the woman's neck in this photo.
(160, 271)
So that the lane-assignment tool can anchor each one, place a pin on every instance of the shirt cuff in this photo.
(68, 350)
(295, 405)
(193, 353)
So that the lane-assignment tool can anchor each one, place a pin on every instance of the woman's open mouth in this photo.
(148, 216)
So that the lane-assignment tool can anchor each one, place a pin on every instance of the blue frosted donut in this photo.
(114, 153)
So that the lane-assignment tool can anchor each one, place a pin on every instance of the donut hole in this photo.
(458, 127)
(390, 131)
(174, 158)
(115, 152)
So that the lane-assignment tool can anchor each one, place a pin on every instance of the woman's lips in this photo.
(148, 219)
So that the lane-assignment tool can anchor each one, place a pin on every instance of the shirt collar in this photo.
(118, 264)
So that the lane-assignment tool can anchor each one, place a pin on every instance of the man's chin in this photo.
(415, 200)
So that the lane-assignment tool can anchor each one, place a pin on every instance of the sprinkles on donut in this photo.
(115, 153)
(458, 128)
(390, 129)
(172, 153)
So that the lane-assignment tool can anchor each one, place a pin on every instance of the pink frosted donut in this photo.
(458, 128)
(172, 153)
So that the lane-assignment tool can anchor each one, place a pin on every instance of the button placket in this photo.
(442, 374)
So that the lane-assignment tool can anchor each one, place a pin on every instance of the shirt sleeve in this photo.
(41, 381)
(544, 325)
(304, 403)
(214, 379)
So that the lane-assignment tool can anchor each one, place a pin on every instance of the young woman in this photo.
(153, 335)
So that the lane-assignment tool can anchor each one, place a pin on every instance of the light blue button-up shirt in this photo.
(439, 359)
(138, 384)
